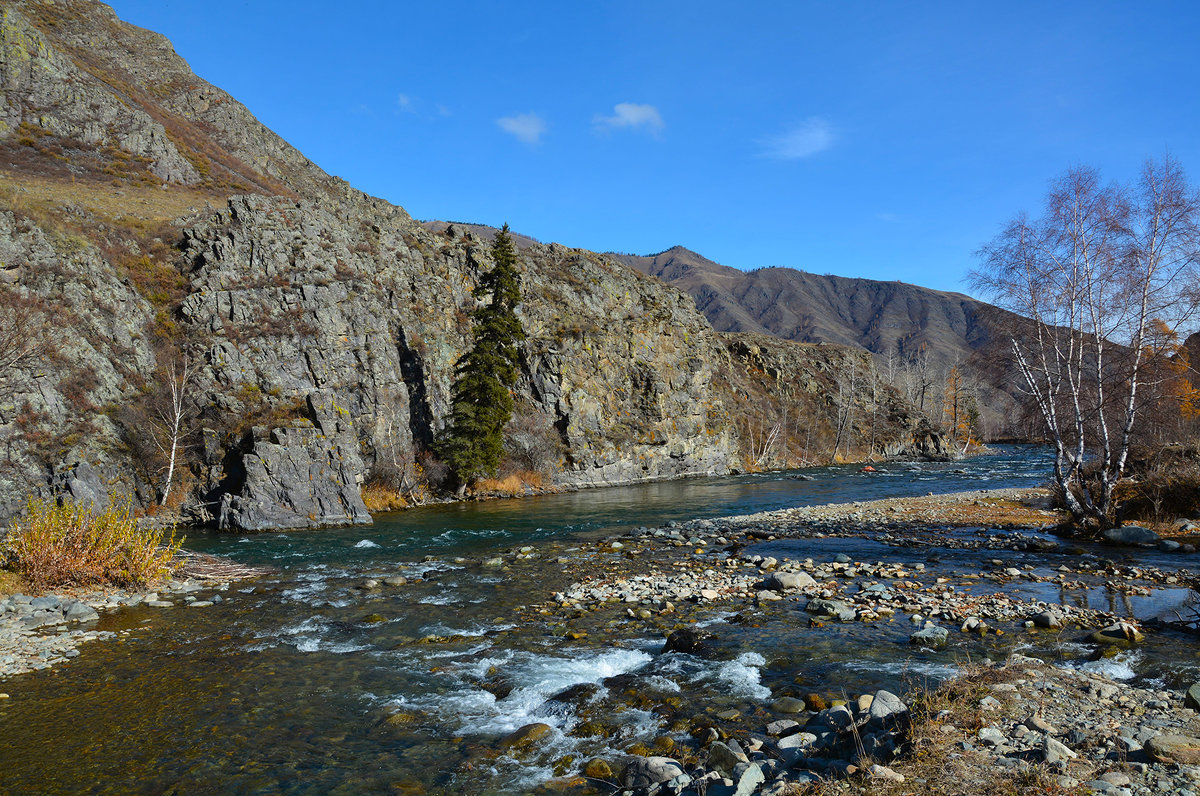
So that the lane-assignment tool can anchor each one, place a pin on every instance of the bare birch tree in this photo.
(1094, 276)
(171, 420)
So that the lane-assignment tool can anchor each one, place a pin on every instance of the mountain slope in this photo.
(904, 325)
(881, 317)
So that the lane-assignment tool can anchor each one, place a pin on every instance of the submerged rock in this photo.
(700, 643)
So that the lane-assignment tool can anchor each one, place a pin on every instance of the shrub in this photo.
(72, 545)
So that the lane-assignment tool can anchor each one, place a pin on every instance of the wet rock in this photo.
(1119, 633)
(1130, 535)
(525, 737)
(788, 705)
(642, 772)
(1170, 748)
(598, 769)
(700, 643)
(577, 694)
(930, 636)
(831, 609)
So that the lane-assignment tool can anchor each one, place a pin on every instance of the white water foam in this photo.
(478, 629)
(943, 671)
(1118, 667)
(740, 676)
(365, 544)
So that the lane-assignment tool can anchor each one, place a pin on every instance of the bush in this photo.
(72, 545)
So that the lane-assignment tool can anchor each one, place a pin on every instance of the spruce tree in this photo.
(481, 398)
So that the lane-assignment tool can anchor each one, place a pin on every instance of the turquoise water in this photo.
(286, 684)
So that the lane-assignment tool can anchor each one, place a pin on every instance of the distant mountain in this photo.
(892, 320)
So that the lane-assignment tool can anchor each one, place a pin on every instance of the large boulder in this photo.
(1180, 749)
(1130, 535)
(643, 772)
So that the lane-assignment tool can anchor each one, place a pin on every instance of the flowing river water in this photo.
(301, 682)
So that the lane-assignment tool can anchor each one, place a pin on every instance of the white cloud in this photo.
(525, 127)
(811, 136)
(633, 116)
(405, 103)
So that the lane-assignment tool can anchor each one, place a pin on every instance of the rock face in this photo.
(297, 476)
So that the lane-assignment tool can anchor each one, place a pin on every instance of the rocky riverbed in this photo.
(784, 652)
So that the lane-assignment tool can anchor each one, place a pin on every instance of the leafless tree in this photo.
(1095, 275)
(171, 420)
(24, 332)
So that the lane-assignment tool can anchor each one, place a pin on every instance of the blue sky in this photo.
(886, 140)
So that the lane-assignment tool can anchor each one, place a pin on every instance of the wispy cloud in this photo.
(525, 127)
(405, 103)
(804, 140)
(633, 116)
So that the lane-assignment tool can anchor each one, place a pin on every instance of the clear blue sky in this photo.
(886, 140)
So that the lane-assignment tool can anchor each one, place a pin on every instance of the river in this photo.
(286, 683)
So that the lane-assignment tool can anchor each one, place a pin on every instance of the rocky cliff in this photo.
(155, 234)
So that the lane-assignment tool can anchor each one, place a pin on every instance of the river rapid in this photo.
(304, 682)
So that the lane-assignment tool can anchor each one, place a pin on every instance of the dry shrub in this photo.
(1161, 493)
(73, 545)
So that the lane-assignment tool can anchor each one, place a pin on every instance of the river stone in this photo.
(724, 759)
(781, 726)
(932, 636)
(788, 704)
(832, 609)
(883, 772)
(886, 706)
(1130, 535)
(81, 612)
(700, 643)
(524, 737)
(1180, 749)
(1169, 546)
(598, 769)
(642, 772)
(748, 779)
(1049, 619)
(1192, 697)
(789, 580)
(1120, 633)
(1056, 752)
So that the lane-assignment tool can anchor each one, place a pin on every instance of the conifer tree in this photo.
(481, 398)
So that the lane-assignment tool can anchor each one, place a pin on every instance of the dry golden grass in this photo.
(380, 497)
(54, 546)
(512, 485)
(127, 205)
(11, 583)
